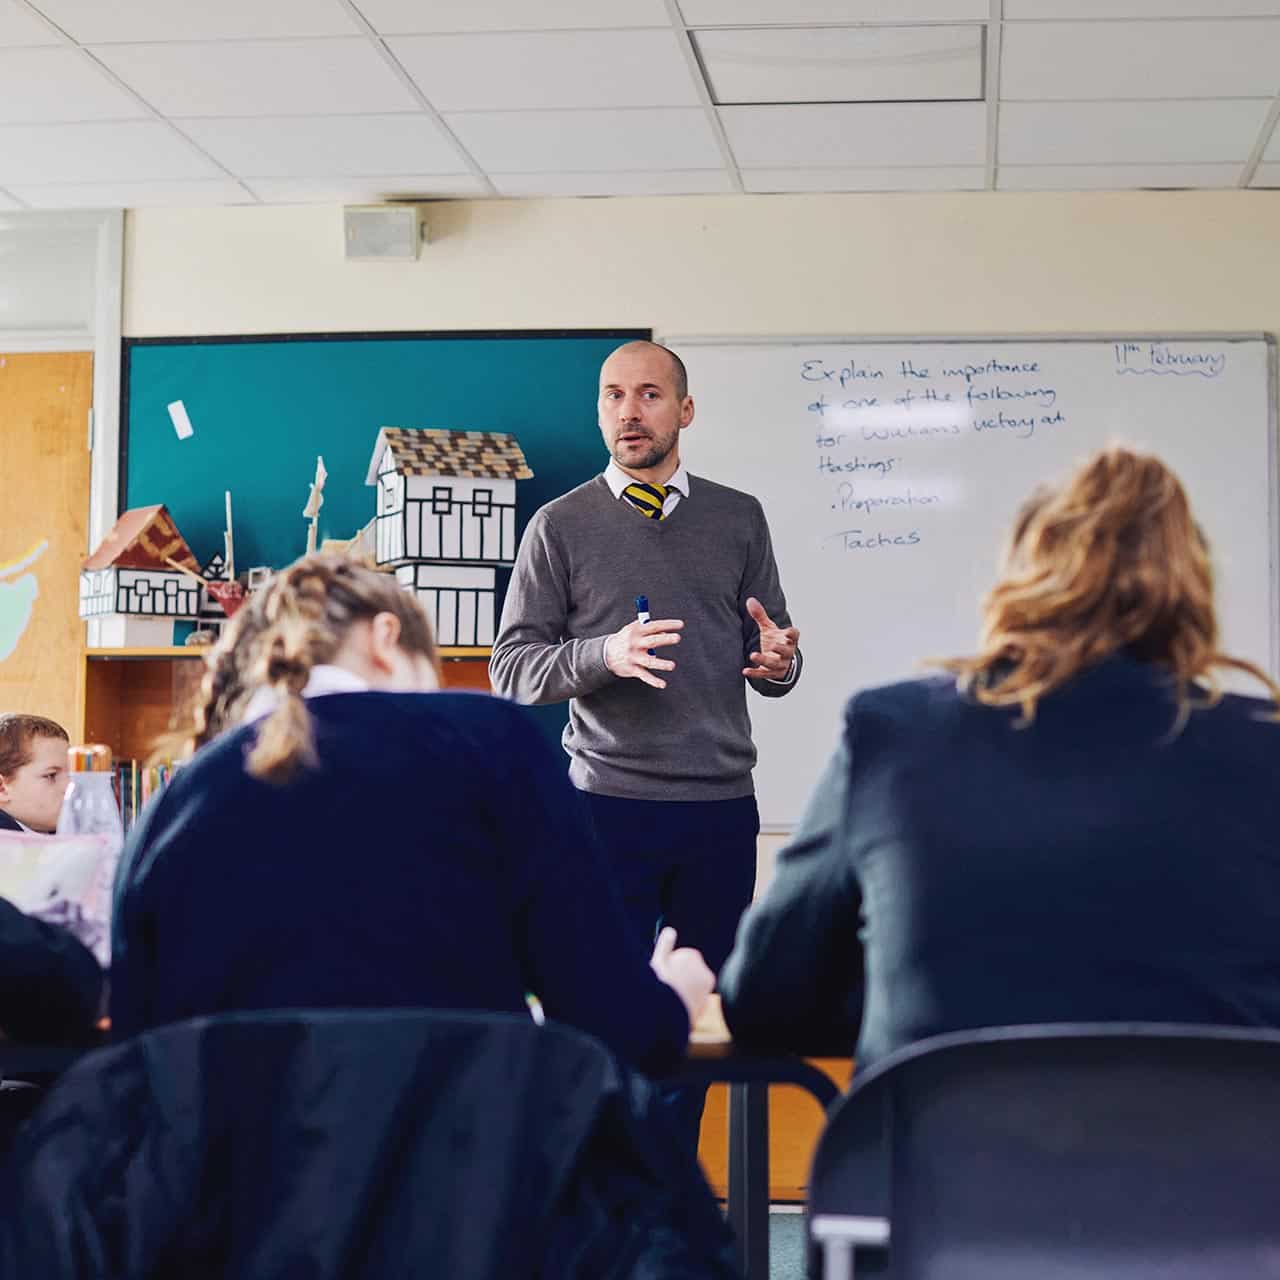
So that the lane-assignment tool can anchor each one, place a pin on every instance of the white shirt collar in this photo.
(324, 678)
(617, 480)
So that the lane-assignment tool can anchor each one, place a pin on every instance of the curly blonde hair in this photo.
(1110, 561)
(300, 619)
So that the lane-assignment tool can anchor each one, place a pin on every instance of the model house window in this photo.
(441, 500)
(482, 501)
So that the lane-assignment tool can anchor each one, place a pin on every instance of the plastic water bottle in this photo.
(89, 805)
(89, 809)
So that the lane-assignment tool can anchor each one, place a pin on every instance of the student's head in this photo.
(1110, 561)
(644, 405)
(33, 769)
(322, 609)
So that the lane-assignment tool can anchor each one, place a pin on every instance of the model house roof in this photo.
(144, 538)
(432, 451)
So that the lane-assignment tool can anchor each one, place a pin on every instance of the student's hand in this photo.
(627, 652)
(684, 971)
(777, 646)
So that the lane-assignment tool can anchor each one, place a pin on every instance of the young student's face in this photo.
(33, 792)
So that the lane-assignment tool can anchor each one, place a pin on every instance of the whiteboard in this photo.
(890, 471)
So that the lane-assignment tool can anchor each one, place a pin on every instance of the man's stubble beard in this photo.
(656, 455)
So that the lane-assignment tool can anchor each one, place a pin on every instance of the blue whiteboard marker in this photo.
(642, 613)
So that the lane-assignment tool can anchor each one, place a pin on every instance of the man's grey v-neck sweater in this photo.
(584, 559)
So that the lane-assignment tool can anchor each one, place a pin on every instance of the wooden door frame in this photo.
(102, 338)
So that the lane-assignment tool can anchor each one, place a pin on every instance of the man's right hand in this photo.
(626, 653)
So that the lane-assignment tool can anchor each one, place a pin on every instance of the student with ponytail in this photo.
(1077, 824)
(355, 843)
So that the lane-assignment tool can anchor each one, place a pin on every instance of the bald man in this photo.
(659, 738)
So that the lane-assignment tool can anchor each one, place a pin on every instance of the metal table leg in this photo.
(749, 1176)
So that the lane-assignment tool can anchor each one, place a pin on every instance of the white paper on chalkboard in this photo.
(890, 471)
(181, 420)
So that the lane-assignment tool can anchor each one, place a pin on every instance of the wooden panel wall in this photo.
(44, 496)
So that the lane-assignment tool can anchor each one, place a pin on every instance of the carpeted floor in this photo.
(786, 1243)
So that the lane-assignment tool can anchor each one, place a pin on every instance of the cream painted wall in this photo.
(874, 264)
(857, 264)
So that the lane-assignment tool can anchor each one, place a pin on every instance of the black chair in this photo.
(26, 1072)
(355, 1145)
(1130, 1152)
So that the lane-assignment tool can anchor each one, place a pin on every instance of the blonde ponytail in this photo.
(308, 611)
(300, 620)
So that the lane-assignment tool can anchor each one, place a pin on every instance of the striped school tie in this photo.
(647, 498)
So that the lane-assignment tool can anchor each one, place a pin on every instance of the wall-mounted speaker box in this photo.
(386, 233)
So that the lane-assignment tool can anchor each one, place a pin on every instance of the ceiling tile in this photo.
(245, 78)
(857, 134)
(851, 64)
(1116, 60)
(1128, 132)
(8, 202)
(1268, 175)
(549, 69)
(752, 13)
(1085, 9)
(133, 195)
(324, 146)
(366, 190)
(588, 141)
(48, 85)
(97, 21)
(941, 178)
(684, 182)
(132, 151)
(19, 27)
(402, 17)
(1115, 177)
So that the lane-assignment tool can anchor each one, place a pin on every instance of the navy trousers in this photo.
(690, 864)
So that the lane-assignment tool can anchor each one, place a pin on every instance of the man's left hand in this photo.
(777, 646)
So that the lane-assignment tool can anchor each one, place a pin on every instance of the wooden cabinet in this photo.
(130, 698)
(795, 1124)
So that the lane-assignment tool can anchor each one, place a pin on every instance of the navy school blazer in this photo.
(954, 870)
(437, 856)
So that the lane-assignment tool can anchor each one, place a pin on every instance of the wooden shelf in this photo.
(165, 651)
(129, 698)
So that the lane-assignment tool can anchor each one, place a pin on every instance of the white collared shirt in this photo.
(324, 678)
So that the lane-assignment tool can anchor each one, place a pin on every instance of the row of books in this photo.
(135, 784)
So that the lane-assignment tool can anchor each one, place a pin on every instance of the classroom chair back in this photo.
(368, 1144)
(1062, 1152)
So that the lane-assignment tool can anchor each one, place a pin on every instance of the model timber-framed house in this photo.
(446, 521)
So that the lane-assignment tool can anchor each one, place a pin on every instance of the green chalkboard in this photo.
(262, 408)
